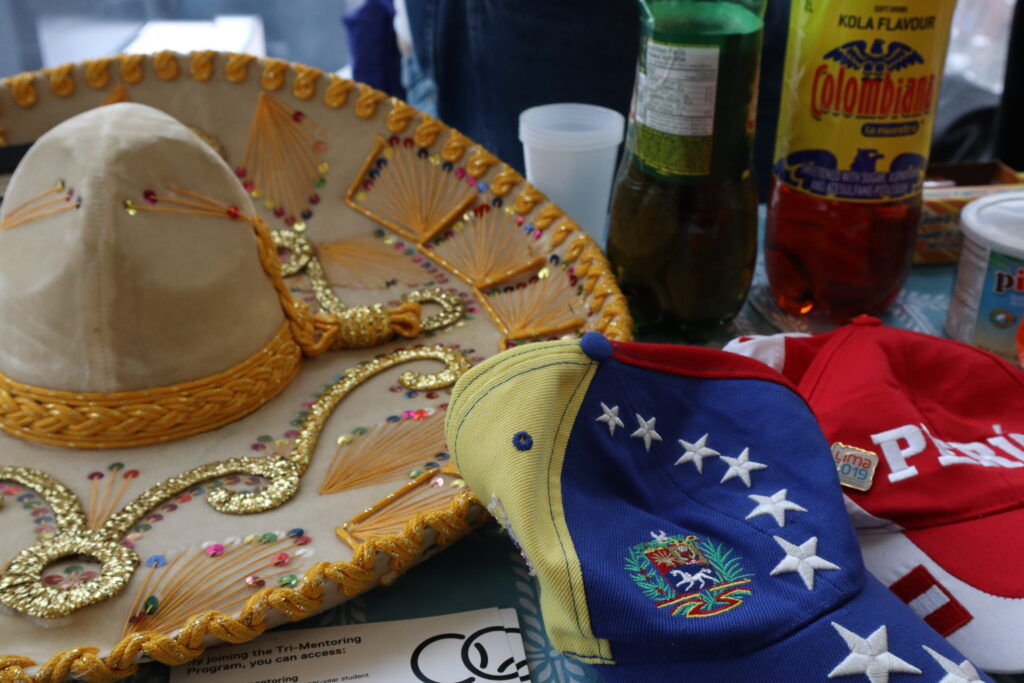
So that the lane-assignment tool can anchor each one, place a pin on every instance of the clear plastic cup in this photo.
(570, 152)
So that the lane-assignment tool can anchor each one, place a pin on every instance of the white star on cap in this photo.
(696, 452)
(955, 673)
(611, 418)
(741, 467)
(870, 656)
(774, 505)
(646, 431)
(802, 559)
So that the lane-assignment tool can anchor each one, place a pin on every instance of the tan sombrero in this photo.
(232, 295)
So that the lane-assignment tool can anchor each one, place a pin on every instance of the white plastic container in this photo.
(570, 152)
(988, 298)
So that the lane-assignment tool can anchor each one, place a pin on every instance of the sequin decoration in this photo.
(21, 586)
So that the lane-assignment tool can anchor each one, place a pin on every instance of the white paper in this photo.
(483, 645)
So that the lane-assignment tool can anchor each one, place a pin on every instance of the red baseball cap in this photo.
(928, 437)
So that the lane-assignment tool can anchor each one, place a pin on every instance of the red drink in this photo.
(862, 81)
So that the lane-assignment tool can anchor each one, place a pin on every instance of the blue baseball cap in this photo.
(681, 510)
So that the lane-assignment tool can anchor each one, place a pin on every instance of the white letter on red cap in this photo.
(896, 456)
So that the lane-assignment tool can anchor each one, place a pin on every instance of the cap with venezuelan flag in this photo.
(681, 510)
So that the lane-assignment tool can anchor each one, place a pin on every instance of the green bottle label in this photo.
(673, 113)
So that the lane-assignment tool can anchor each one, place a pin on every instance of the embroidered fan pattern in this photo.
(57, 199)
(282, 163)
(410, 190)
(429, 491)
(541, 307)
(217, 576)
(388, 452)
(485, 247)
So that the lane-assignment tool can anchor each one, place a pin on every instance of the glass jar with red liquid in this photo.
(861, 86)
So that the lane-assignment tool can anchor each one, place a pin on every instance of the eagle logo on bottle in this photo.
(877, 60)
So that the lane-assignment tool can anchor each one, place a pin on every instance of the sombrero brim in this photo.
(378, 495)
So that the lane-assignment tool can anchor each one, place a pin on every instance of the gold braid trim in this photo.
(505, 180)
(480, 162)
(23, 89)
(306, 77)
(273, 73)
(97, 72)
(337, 92)
(398, 118)
(427, 132)
(135, 418)
(165, 65)
(366, 103)
(201, 66)
(352, 577)
(357, 327)
(527, 199)
(61, 82)
(131, 67)
(237, 68)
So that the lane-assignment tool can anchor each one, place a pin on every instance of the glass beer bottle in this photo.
(860, 89)
(683, 228)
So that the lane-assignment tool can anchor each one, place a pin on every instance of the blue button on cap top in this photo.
(596, 345)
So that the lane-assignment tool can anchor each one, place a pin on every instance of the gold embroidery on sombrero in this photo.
(527, 199)
(455, 146)
(546, 306)
(97, 72)
(337, 92)
(165, 65)
(398, 118)
(563, 229)
(385, 453)
(480, 161)
(282, 160)
(356, 327)
(368, 262)
(220, 576)
(366, 103)
(201, 66)
(401, 187)
(548, 215)
(351, 577)
(118, 94)
(306, 77)
(274, 71)
(387, 516)
(426, 133)
(486, 247)
(131, 67)
(61, 82)
(135, 418)
(47, 203)
(301, 257)
(504, 180)
(23, 89)
(237, 68)
(21, 586)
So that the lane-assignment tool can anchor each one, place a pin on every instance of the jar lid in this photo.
(997, 221)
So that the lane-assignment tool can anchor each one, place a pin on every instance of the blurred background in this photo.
(450, 71)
